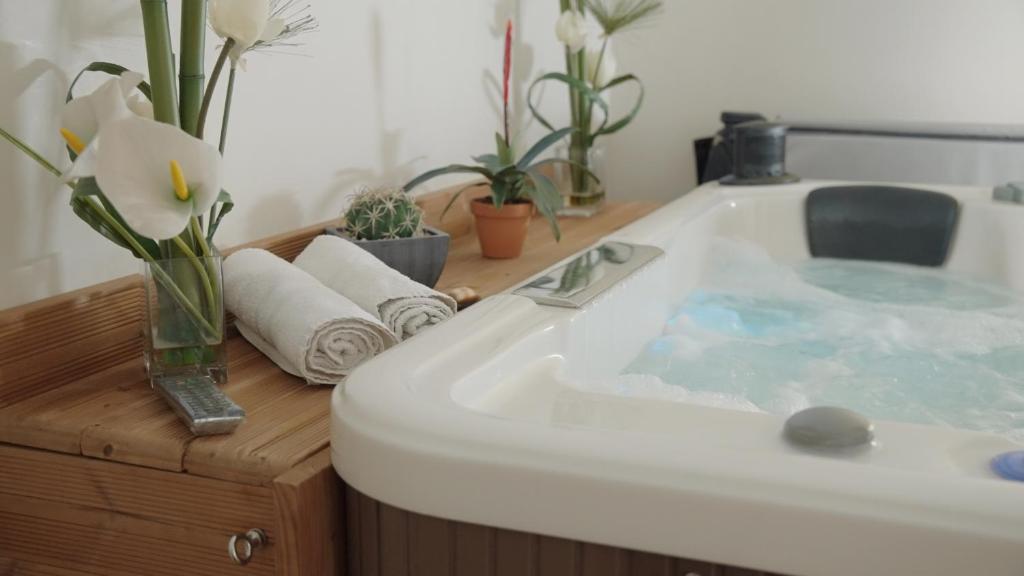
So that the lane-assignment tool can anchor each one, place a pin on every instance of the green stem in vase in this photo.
(160, 58)
(165, 279)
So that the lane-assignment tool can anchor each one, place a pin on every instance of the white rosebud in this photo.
(600, 78)
(245, 21)
(571, 30)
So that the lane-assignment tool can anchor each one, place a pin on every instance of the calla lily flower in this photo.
(600, 78)
(571, 30)
(154, 174)
(114, 99)
(244, 21)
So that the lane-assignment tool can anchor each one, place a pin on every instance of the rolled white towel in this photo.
(403, 305)
(303, 326)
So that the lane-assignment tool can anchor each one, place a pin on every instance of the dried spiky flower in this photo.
(293, 19)
(616, 16)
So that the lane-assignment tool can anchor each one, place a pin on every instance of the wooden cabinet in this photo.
(98, 476)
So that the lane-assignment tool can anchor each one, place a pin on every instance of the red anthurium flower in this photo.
(506, 74)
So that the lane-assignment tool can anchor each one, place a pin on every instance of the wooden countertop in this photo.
(72, 379)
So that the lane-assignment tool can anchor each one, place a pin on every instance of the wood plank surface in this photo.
(85, 515)
(310, 525)
(97, 401)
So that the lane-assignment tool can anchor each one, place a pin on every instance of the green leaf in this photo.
(542, 145)
(226, 205)
(107, 68)
(588, 93)
(85, 187)
(491, 162)
(545, 196)
(505, 155)
(500, 189)
(450, 169)
(451, 201)
(625, 120)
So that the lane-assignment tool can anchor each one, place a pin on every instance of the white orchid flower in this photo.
(571, 30)
(600, 78)
(156, 175)
(244, 21)
(82, 117)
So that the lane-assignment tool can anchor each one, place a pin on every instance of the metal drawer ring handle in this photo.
(242, 546)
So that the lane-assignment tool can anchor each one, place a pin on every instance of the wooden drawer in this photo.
(65, 513)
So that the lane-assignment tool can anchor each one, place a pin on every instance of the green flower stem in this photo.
(161, 275)
(30, 152)
(197, 231)
(227, 109)
(214, 77)
(597, 68)
(191, 70)
(580, 138)
(228, 96)
(161, 61)
(200, 268)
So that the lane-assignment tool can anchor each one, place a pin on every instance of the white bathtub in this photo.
(479, 422)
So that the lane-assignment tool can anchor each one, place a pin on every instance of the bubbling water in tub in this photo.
(893, 342)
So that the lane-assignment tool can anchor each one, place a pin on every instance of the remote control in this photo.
(200, 404)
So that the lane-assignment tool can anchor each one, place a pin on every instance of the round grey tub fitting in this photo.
(829, 428)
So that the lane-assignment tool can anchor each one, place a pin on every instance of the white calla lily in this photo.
(133, 166)
(83, 116)
(244, 21)
(571, 30)
(600, 78)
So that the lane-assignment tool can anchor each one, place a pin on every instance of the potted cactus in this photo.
(387, 223)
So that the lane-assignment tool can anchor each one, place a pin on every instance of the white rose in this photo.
(571, 30)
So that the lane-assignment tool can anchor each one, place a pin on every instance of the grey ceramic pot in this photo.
(421, 258)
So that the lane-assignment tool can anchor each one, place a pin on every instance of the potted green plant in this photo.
(517, 186)
(387, 223)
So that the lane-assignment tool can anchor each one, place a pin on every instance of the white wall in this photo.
(387, 88)
(911, 60)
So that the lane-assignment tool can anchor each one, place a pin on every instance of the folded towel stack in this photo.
(404, 306)
(303, 326)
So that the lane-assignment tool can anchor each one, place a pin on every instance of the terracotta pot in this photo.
(501, 232)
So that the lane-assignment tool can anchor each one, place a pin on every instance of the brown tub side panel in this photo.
(382, 540)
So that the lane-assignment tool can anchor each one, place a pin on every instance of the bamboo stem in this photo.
(191, 69)
(214, 77)
(161, 60)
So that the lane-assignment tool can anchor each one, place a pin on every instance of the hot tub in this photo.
(485, 421)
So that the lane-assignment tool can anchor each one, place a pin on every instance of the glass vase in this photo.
(583, 196)
(184, 324)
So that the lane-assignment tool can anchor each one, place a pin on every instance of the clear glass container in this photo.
(184, 323)
(583, 196)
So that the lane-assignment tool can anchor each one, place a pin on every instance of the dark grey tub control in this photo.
(828, 428)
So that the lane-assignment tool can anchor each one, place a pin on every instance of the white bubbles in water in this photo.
(891, 341)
